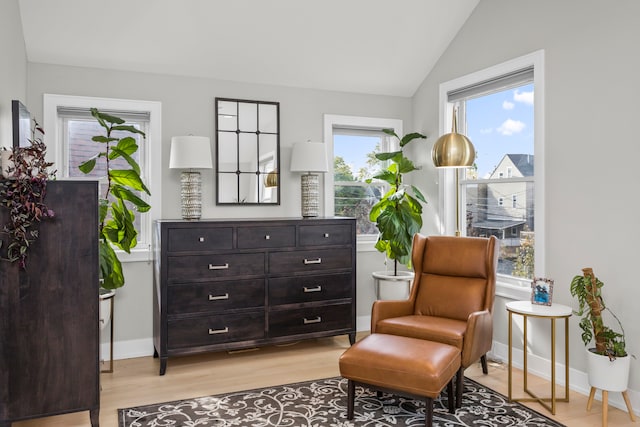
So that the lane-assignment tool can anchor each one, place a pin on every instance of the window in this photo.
(353, 163)
(496, 110)
(70, 126)
(352, 141)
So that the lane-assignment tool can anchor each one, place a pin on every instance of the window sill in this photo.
(136, 255)
(512, 292)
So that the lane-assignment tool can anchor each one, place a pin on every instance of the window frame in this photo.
(152, 154)
(507, 287)
(333, 121)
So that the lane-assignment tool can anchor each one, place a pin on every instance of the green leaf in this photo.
(128, 128)
(87, 166)
(386, 176)
(110, 267)
(125, 194)
(410, 137)
(128, 145)
(102, 138)
(115, 153)
(104, 117)
(388, 156)
(418, 194)
(390, 132)
(128, 178)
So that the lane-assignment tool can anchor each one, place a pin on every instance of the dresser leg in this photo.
(94, 416)
(163, 365)
(352, 338)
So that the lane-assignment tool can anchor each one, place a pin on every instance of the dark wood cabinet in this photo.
(49, 327)
(232, 284)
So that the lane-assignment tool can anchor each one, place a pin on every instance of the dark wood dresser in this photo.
(233, 284)
(49, 316)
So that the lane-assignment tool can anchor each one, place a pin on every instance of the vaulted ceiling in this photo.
(384, 47)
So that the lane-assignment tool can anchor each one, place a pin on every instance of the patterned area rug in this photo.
(323, 403)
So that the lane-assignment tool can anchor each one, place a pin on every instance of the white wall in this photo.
(13, 66)
(592, 147)
(187, 108)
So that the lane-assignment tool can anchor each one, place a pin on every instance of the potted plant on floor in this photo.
(117, 202)
(398, 214)
(608, 361)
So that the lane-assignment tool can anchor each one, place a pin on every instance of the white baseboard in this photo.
(128, 349)
(578, 380)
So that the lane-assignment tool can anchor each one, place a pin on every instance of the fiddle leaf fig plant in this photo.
(398, 214)
(588, 290)
(120, 198)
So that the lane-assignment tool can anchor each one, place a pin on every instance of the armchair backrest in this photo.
(454, 276)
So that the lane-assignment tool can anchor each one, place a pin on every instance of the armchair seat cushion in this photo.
(429, 328)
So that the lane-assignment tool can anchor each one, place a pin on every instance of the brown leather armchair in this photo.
(451, 299)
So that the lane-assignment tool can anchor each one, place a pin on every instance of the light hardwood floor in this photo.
(136, 381)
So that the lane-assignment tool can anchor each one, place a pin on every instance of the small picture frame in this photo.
(541, 291)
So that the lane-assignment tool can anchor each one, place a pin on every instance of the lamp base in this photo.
(310, 191)
(191, 194)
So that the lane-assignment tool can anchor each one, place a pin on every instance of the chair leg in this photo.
(459, 387)
(428, 412)
(483, 361)
(451, 399)
(351, 392)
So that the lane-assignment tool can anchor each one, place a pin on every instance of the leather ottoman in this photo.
(401, 365)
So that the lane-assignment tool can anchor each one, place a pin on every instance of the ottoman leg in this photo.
(459, 387)
(428, 412)
(351, 392)
(451, 399)
(483, 362)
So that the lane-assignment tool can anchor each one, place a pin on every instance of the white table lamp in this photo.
(190, 152)
(309, 157)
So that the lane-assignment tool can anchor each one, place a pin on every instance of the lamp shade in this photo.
(453, 150)
(309, 157)
(190, 152)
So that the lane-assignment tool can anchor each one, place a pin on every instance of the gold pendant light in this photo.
(453, 150)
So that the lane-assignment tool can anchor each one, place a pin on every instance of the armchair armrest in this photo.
(391, 308)
(478, 337)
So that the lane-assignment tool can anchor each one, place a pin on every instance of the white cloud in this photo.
(524, 97)
(508, 105)
(510, 126)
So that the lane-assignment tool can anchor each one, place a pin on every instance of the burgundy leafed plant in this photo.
(23, 195)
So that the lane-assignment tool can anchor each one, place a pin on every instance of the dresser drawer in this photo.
(266, 237)
(215, 296)
(220, 329)
(309, 260)
(320, 235)
(187, 268)
(310, 319)
(199, 239)
(300, 289)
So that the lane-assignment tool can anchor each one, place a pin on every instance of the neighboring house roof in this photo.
(524, 163)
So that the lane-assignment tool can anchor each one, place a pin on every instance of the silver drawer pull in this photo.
(218, 331)
(316, 289)
(326, 234)
(219, 267)
(201, 239)
(309, 321)
(313, 261)
(267, 237)
(218, 297)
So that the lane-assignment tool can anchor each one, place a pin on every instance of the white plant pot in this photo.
(106, 299)
(392, 286)
(605, 374)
